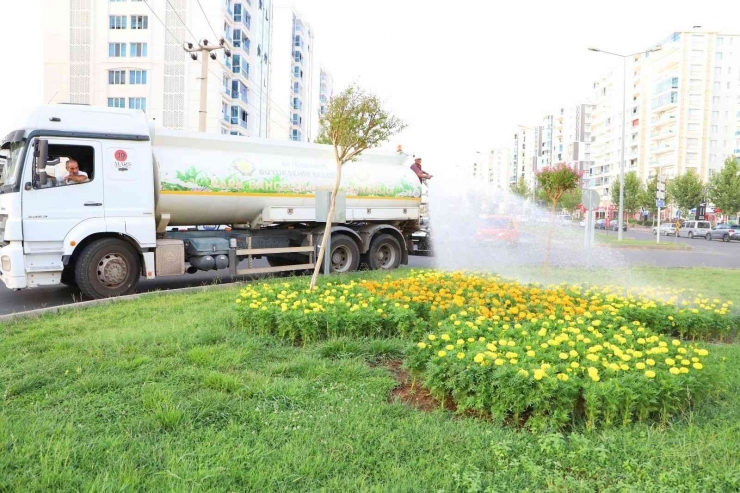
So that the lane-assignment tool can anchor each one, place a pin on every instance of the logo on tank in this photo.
(243, 167)
(121, 162)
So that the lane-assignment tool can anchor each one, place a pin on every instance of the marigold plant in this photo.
(542, 357)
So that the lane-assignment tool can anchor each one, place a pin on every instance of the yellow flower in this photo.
(650, 374)
(460, 342)
(562, 376)
(539, 374)
(499, 362)
(442, 354)
(676, 342)
(563, 355)
(432, 337)
(422, 345)
(445, 337)
(650, 362)
(449, 347)
(479, 358)
(698, 366)
(670, 361)
(523, 373)
(460, 355)
(683, 369)
(531, 354)
(640, 366)
(674, 371)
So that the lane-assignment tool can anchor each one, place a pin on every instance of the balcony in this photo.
(662, 121)
(242, 123)
(661, 149)
(241, 70)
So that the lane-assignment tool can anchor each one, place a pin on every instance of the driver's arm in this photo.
(76, 178)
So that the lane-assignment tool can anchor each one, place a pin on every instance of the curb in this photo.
(108, 301)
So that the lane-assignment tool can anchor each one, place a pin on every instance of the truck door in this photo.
(49, 213)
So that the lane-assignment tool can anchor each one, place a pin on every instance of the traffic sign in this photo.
(660, 195)
(660, 203)
(661, 187)
(590, 199)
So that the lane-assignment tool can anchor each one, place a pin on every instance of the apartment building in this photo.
(292, 111)
(525, 155)
(499, 168)
(682, 110)
(129, 54)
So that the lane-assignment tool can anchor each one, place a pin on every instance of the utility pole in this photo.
(206, 51)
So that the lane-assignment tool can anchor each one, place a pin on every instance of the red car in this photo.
(497, 229)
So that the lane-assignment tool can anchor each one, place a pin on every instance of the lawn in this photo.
(611, 240)
(166, 393)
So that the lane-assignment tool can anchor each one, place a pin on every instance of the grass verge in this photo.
(164, 394)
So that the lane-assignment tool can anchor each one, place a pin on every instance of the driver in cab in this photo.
(74, 175)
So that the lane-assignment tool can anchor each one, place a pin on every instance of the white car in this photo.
(666, 229)
(582, 223)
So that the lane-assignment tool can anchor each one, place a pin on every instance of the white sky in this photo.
(461, 73)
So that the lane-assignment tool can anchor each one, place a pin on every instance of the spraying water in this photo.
(476, 227)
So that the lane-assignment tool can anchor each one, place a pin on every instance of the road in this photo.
(702, 254)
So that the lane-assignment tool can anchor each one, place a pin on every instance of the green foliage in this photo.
(648, 196)
(570, 200)
(521, 189)
(633, 192)
(687, 191)
(724, 187)
(355, 121)
(554, 181)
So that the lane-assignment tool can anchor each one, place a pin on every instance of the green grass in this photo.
(163, 393)
(611, 240)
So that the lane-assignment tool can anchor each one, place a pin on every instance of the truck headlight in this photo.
(5, 260)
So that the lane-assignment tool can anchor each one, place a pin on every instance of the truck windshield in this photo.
(9, 175)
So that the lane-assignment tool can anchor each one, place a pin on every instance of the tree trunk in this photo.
(327, 229)
(549, 239)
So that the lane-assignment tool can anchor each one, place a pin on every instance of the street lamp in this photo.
(620, 223)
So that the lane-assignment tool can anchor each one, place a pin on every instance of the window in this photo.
(717, 86)
(697, 71)
(296, 87)
(295, 135)
(718, 56)
(715, 115)
(692, 158)
(137, 104)
(237, 12)
(137, 77)
(695, 99)
(76, 164)
(139, 22)
(296, 104)
(116, 102)
(692, 143)
(697, 54)
(116, 77)
(714, 129)
(717, 71)
(729, 85)
(715, 100)
(695, 84)
(296, 119)
(116, 49)
(117, 21)
(138, 49)
(693, 127)
(694, 114)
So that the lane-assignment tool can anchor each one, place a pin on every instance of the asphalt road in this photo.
(702, 254)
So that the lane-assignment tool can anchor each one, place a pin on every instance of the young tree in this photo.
(355, 121)
(687, 191)
(724, 187)
(556, 181)
(521, 189)
(633, 193)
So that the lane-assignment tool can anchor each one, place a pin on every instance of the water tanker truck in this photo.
(104, 232)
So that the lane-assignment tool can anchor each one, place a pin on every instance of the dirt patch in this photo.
(411, 392)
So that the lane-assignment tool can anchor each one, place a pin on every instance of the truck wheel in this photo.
(384, 253)
(107, 268)
(345, 255)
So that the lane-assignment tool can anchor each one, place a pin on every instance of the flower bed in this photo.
(528, 355)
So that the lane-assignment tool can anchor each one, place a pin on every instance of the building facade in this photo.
(129, 53)
(292, 111)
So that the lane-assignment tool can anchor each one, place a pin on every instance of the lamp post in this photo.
(620, 221)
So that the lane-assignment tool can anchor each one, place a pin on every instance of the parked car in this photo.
(497, 229)
(614, 225)
(582, 223)
(724, 232)
(665, 229)
(565, 219)
(600, 224)
(694, 229)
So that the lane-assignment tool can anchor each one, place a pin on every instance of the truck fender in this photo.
(318, 236)
(89, 230)
(369, 231)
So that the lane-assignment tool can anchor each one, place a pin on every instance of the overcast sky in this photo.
(461, 73)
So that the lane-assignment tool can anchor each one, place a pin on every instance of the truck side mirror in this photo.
(41, 157)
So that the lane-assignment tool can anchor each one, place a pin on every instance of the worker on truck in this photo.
(416, 168)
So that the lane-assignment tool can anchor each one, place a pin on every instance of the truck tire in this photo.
(107, 268)
(385, 253)
(345, 255)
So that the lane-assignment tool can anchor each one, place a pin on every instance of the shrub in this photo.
(542, 357)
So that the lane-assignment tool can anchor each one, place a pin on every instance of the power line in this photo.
(182, 21)
(209, 22)
(161, 22)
